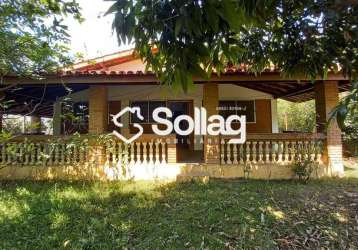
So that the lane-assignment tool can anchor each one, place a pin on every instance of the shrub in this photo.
(303, 169)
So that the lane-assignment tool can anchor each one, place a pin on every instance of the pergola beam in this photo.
(134, 78)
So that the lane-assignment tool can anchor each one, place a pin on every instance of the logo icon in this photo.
(115, 118)
(200, 124)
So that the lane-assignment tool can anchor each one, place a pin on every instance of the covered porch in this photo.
(266, 154)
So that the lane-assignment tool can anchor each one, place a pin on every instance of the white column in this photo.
(274, 119)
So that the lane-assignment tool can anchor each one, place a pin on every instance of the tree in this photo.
(32, 36)
(33, 40)
(349, 109)
(291, 117)
(308, 37)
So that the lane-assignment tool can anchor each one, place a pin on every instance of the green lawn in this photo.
(220, 214)
(351, 167)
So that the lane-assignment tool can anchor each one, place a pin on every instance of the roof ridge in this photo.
(109, 54)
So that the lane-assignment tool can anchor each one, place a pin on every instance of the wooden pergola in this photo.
(42, 93)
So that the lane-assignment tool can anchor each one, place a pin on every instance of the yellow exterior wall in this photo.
(178, 172)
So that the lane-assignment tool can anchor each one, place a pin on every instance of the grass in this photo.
(351, 167)
(233, 214)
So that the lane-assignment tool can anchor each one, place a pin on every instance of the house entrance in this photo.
(185, 144)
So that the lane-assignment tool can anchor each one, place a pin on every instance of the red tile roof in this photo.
(100, 65)
(86, 72)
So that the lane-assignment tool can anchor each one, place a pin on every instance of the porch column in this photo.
(326, 95)
(210, 103)
(125, 119)
(198, 145)
(56, 118)
(98, 122)
(98, 110)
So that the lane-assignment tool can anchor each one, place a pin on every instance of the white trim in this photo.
(130, 105)
(156, 100)
(274, 118)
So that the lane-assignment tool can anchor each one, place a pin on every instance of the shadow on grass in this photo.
(219, 214)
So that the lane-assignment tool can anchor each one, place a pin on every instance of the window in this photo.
(247, 108)
(143, 106)
(146, 110)
(153, 105)
(227, 108)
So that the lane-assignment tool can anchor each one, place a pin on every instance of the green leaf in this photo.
(178, 26)
(211, 16)
(341, 115)
(114, 8)
(199, 71)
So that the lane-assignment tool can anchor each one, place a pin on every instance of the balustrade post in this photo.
(97, 154)
(267, 151)
(132, 145)
(125, 154)
(248, 151)
(254, 152)
(108, 151)
(119, 160)
(235, 161)
(286, 151)
(228, 153)
(75, 155)
(145, 159)
(172, 152)
(138, 158)
(157, 161)
(39, 155)
(222, 152)
(280, 151)
(57, 154)
(46, 154)
(293, 151)
(63, 152)
(299, 151)
(274, 153)
(260, 152)
(312, 149)
(241, 153)
(151, 152)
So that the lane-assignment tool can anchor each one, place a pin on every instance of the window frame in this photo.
(147, 101)
(236, 101)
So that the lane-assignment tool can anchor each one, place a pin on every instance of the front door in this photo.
(181, 108)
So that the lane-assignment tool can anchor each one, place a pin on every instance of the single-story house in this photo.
(103, 86)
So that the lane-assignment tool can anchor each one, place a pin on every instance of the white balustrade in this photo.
(155, 152)
(270, 151)
(151, 152)
(40, 154)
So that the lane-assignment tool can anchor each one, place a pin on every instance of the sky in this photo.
(93, 37)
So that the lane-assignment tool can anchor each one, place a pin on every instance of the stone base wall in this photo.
(154, 172)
